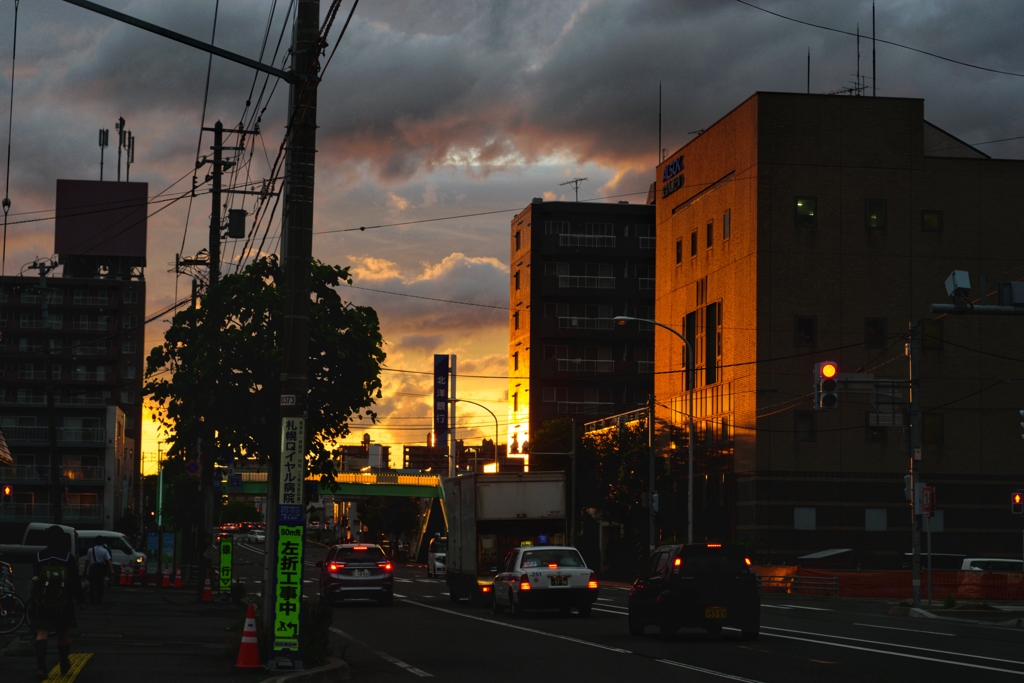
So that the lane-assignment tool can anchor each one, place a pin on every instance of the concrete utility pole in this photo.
(914, 353)
(296, 252)
(56, 461)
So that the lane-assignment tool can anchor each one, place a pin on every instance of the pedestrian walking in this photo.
(98, 566)
(56, 589)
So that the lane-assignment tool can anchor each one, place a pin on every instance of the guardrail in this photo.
(800, 584)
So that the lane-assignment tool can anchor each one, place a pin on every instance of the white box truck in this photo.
(489, 515)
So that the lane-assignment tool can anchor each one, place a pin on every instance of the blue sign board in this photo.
(289, 514)
(440, 400)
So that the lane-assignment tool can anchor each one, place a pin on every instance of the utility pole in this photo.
(453, 444)
(652, 495)
(218, 141)
(56, 464)
(914, 353)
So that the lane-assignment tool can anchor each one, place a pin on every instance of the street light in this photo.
(622, 320)
(475, 454)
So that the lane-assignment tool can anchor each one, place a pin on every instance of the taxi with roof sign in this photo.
(356, 571)
(697, 585)
(544, 577)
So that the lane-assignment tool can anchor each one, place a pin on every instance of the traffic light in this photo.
(826, 386)
(1017, 503)
(8, 492)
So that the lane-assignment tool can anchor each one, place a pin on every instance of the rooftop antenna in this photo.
(119, 126)
(874, 83)
(129, 155)
(661, 157)
(808, 70)
(575, 182)
(104, 142)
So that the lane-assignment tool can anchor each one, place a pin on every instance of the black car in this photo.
(699, 585)
(356, 571)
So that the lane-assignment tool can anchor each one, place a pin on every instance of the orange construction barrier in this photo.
(207, 590)
(177, 578)
(123, 580)
(249, 652)
(166, 581)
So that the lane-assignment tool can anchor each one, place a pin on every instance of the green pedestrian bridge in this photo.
(355, 484)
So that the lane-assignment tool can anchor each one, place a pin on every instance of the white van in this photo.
(437, 552)
(991, 564)
(121, 549)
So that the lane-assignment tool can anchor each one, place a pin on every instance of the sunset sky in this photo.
(442, 109)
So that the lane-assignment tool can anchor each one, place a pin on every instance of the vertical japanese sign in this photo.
(167, 553)
(288, 596)
(289, 591)
(227, 554)
(440, 400)
(293, 465)
(152, 552)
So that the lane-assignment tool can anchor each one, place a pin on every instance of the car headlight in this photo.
(140, 560)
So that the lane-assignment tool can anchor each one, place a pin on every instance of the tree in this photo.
(239, 511)
(216, 377)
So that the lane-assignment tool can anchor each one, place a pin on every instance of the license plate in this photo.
(360, 572)
(559, 580)
(714, 613)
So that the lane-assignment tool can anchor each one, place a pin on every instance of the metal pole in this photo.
(913, 350)
(928, 535)
(690, 444)
(453, 444)
(652, 489)
(572, 512)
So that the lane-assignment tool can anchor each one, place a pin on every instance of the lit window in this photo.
(806, 212)
(931, 221)
(875, 214)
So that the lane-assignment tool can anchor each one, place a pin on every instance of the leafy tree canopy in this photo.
(216, 377)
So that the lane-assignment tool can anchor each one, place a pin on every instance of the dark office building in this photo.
(80, 330)
(574, 267)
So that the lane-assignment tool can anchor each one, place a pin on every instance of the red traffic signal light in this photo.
(1017, 503)
(7, 490)
(826, 386)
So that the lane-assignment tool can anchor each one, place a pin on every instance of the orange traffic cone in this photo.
(123, 580)
(207, 590)
(166, 581)
(177, 578)
(249, 652)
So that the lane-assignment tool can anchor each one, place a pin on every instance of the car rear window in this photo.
(439, 547)
(542, 558)
(359, 554)
(719, 565)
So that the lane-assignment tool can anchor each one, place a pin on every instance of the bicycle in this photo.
(12, 608)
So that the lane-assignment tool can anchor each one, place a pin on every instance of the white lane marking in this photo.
(905, 647)
(605, 600)
(403, 580)
(445, 593)
(397, 595)
(385, 656)
(610, 611)
(894, 654)
(523, 628)
(911, 630)
(816, 609)
(706, 671)
(774, 606)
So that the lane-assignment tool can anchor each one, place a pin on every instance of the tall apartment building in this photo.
(87, 342)
(803, 228)
(574, 267)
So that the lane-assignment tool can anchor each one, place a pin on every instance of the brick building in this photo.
(89, 339)
(802, 228)
(574, 266)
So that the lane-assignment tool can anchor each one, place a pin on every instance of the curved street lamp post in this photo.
(463, 400)
(622, 319)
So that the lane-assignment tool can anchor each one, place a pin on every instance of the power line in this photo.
(885, 42)
(428, 298)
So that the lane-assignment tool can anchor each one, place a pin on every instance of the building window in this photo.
(711, 234)
(129, 322)
(933, 432)
(875, 213)
(549, 394)
(646, 235)
(805, 519)
(679, 251)
(875, 335)
(556, 227)
(128, 372)
(515, 360)
(128, 347)
(876, 519)
(130, 296)
(932, 331)
(519, 242)
(516, 277)
(726, 224)
(806, 331)
(931, 221)
(806, 212)
(693, 243)
(805, 426)
(127, 397)
(515, 320)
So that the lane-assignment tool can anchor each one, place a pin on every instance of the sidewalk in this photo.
(149, 634)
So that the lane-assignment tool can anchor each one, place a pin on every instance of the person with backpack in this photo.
(98, 566)
(56, 589)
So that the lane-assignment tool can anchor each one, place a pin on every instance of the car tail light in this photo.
(714, 545)
(678, 562)
(552, 566)
(592, 583)
(746, 561)
(524, 583)
(485, 589)
(386, 566)
(335, 566)
(359, 547)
